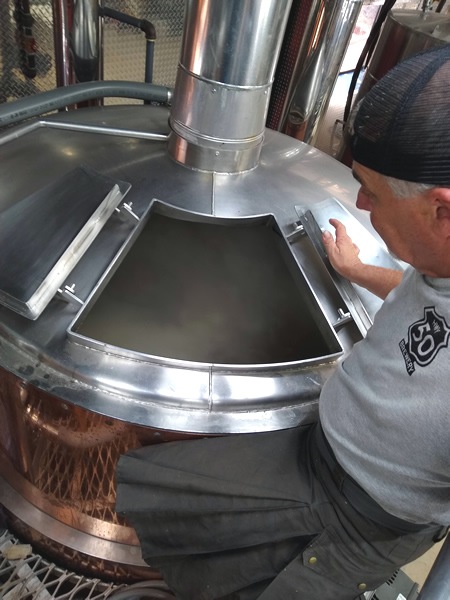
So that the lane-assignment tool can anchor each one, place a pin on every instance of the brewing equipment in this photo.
(172, 283)
(405, 33)
(316, 40)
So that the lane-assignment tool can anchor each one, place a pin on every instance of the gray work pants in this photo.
(256, 516)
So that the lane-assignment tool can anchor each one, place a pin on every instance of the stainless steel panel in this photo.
(372, 251)
(199, 399)
(45, 235)
(357, 310)
(46, 154)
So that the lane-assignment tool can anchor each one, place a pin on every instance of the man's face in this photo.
(403, 223)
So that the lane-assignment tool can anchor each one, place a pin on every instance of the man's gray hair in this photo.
(406, 189)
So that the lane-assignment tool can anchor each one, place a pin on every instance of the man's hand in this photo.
(344, 257)
(343, 253)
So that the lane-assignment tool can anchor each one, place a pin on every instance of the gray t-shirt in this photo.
(386, 409)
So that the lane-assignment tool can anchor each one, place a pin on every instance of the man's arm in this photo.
(343, 255)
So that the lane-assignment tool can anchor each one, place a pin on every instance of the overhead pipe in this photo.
(224, 79)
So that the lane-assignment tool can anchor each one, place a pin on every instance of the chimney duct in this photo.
(228, 58)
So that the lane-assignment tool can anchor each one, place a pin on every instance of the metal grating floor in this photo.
(34, 578)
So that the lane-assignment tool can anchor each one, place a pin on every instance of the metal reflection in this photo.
(85, 40)
(327, 33)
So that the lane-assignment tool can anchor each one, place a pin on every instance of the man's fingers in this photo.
(340, 227)
(327, 237)
(341, 232)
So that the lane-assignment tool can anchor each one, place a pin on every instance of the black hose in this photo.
(440, 6)
(367, 52)
(19, 110)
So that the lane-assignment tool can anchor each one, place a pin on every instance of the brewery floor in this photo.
(419, 569)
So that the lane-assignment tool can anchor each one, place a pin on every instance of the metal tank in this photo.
(405, 33)
(316, 40)
(162, 277)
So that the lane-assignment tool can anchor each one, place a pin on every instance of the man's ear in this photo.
(440, 198)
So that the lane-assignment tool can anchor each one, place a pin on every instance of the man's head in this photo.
(401, 151)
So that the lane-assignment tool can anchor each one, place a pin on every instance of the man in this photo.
(327, 512)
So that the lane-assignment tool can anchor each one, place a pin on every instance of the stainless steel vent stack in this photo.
(228, 59)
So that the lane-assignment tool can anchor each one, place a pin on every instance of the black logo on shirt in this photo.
(425, 338)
